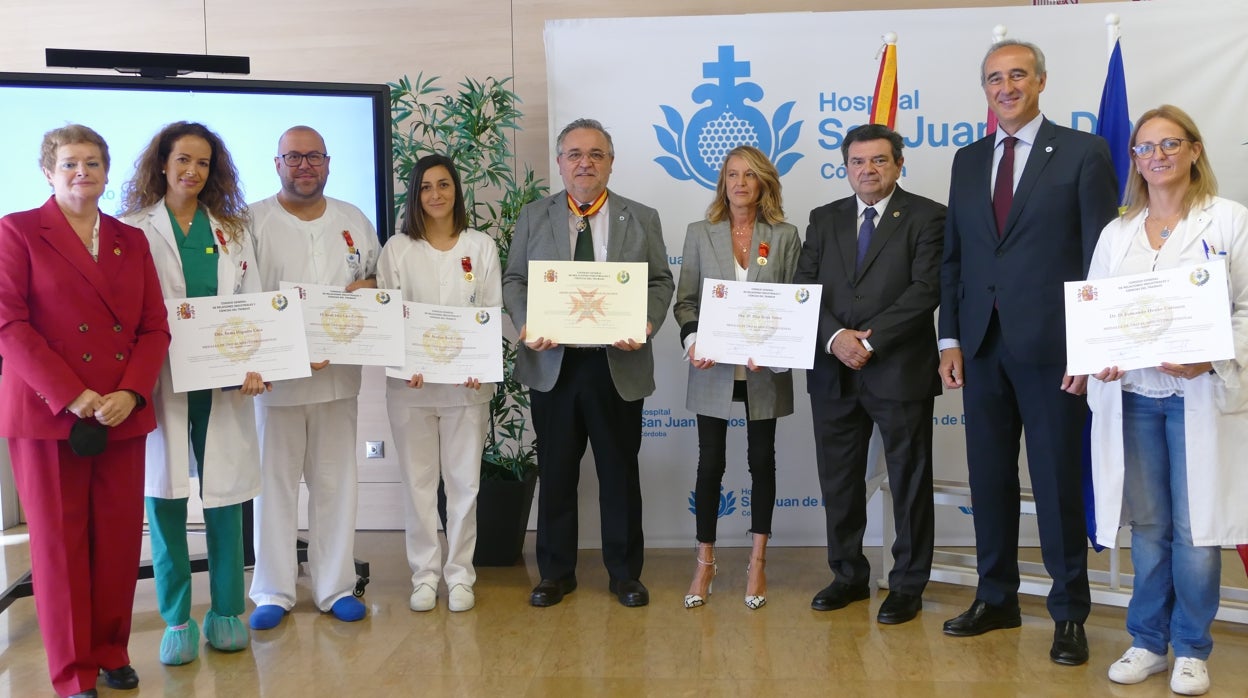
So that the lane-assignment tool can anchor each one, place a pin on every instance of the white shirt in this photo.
(425, 274)
(1140, 258)
(313, 252)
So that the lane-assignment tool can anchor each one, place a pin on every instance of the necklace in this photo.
(1167, 229)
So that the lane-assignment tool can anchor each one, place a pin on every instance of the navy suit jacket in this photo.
(1068, 193)
(893, 294)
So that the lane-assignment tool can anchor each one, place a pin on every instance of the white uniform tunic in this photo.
(307, 426)
(439, 429)
(231, 444)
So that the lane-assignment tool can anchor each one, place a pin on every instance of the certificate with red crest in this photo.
(776, 325)
(587, 303)
(1178, 316)
(450, 344)
(217, 340)
(362, 327)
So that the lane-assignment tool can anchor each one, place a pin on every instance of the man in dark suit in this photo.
(1026, 206)
(587, 393)
(877, 255)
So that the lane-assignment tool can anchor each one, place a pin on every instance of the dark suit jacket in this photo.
(1067, 194)
(893, 294)
(68, 323)
(635, 235)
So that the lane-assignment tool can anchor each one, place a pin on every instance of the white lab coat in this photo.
(231, 449)
(1215, 406)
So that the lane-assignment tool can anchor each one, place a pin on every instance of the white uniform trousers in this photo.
(316, 442)
(446, 441)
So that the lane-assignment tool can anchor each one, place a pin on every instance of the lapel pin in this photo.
(1048, 149)
(621, 216)
(896, 214)
(117, 251)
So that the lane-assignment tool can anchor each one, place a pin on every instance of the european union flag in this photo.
(1112, 122)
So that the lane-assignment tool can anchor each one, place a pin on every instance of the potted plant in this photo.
(473, 127)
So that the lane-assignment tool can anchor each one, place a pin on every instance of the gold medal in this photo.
(469, 277)
(762, 261)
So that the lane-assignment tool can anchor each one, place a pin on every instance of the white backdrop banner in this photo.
(676, 93)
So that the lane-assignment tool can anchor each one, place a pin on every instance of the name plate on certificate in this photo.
(587, 302)
(776, 325)
(217, 340)
(450, 344)
(364, 327)
(1177, 316)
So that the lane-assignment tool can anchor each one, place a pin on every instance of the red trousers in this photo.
(85, 518)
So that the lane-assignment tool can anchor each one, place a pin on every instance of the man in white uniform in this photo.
(307, 426)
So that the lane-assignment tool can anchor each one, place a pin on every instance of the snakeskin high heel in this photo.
(695, 600)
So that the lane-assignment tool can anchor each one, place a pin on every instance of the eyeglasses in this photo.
(1169, 146)
(314, 158)
(595, 156)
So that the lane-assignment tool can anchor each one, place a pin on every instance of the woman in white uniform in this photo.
(1167, 441)
(439, 429)
(185, 197)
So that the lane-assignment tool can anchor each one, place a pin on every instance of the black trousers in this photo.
(582, 407)
(760, 456)
(843, 429)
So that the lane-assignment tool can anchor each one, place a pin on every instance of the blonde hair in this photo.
(70, 134)
(770, 208)
(1203, 186)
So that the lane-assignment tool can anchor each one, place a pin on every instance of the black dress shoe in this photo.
(122, 678)
(549, 592)
(89, 693)
(630, 592)
(899, 607)
(839, 595)
(1070, 644)
(982, 617)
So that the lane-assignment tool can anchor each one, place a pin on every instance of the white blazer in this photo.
(231, 450)
(1215, 406)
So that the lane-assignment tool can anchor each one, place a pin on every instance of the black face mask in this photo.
(88, 438)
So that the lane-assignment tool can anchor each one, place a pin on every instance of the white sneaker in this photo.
(1190, 677)
(1136, 665)
(424, 598)
(461, 598)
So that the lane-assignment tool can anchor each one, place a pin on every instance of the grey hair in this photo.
(592, 124)
(1035, 52)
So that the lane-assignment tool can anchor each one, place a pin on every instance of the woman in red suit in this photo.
(83, 334)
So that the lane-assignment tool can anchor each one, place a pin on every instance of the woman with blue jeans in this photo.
(1164, 438)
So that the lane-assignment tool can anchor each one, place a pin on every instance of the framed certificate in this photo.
(587, 302)
(217, 340)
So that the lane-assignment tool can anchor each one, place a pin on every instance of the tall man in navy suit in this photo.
(877, 255)
(1026, 206)
(587, 393)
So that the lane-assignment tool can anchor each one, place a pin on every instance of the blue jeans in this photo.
(1176, 590)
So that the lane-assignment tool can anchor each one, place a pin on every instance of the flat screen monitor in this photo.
(249, 115)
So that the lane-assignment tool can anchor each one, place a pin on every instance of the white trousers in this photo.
(315, 442)
(446, 441)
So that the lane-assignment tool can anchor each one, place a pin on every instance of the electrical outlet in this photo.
(374, 449)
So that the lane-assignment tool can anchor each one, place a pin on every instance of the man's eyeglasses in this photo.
(575, 156)
(315, 159)
(1169, 146)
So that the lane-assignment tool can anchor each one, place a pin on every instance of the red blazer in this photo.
(68, 323)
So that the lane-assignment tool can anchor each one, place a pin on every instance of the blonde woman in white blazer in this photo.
(185, 198)
(439, 429)
(1165, 439)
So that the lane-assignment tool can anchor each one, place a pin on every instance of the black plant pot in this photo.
(503, 508)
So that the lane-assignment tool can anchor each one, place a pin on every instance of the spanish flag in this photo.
(884, 103)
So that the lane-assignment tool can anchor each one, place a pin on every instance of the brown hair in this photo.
(413, 215)
(221, 195)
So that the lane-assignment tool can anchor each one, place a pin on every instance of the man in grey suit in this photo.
(587, 393)
(877, 255)
(1026, 206)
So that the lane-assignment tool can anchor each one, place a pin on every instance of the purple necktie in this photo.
(1003, 192)
(864, 235)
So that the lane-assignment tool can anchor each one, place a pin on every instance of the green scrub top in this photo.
(199, 251)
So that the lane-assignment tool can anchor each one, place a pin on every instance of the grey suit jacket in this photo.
(893, 294)
(635, 235)
(708, 255)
